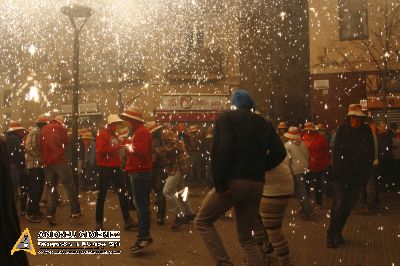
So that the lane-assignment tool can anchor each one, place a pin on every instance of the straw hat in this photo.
(193, 129)
(293, 133)
(113, 118)
(282, 125)
(44, 119)
(14, 126)
(123, 133)
(320, 126)
(132, 112)
(355, 110)
(309, 126)
(87, 135)
(60, 119)
(153, 126)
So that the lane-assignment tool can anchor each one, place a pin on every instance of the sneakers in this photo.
(131, 226)
(51, 220)
(307, 217)
(160, 220)
(178, 222)
(318, 207)
(141, 244)
(331, 243)
(33, 219)
(40, 214)
(340, 240)
(189, 217)
(99, 227)
(76, 215)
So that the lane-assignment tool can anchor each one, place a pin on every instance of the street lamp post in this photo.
(74, 13)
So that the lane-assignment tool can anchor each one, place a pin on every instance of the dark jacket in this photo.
(9, 225)
(353, 154)
(16, 150)
(245, 145)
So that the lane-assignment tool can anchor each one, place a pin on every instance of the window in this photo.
(195, 35)
(7, 98)
(353, 19)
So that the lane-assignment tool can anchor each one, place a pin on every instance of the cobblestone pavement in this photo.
(371, 240)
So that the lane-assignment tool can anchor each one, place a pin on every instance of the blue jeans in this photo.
(300, 191)
(141, 185)
(36, 188)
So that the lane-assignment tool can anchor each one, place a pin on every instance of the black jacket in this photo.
(244, 146)
(9, 225)
(353, 154)
(16, 150)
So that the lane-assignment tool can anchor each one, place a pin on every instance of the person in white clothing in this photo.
(298, 163)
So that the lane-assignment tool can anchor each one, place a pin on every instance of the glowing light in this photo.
(32, 49)
(33, 94)
(185, 193)
(129, 147)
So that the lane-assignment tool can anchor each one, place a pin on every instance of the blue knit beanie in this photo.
(242, 99)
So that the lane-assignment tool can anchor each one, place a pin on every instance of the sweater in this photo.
(298, 156)
(32, 148)
(318, 148)
(279, 181)
(54, 139)
(244, 146)
(140, 159)
(107, 148)
(353, 154)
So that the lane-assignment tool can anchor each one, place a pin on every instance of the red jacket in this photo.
(107, 150)
(318, 147)
(140, 160)
(53, 141)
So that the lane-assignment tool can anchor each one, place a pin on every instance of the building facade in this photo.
(354, 58)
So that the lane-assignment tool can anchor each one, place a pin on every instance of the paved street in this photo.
(371, 240)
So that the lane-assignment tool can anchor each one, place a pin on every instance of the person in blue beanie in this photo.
(244, 147)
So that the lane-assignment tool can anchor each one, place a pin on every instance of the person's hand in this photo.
(225, 194)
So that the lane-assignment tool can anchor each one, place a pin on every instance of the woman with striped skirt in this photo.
(278, 188)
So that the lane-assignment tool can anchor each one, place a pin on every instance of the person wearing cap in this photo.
(282, 128)
(109, 168)
(54, 139)
(299, 163)
(318, 148)
(139, 167)
(239, 160)
(176, 166)
(35, 167)
(158, 170)
(352, 162)
(16, 150)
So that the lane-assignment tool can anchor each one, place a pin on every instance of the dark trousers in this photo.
(24, 181)
(141, 185)
(344, 198)
(36, 187)
(315, 181)
(158, 186)
(106, 175)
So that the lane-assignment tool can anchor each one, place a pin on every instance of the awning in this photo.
(186, 116)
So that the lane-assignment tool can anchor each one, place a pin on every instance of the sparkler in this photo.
(129, 147)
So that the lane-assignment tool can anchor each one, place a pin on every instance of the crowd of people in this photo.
(252, 168)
